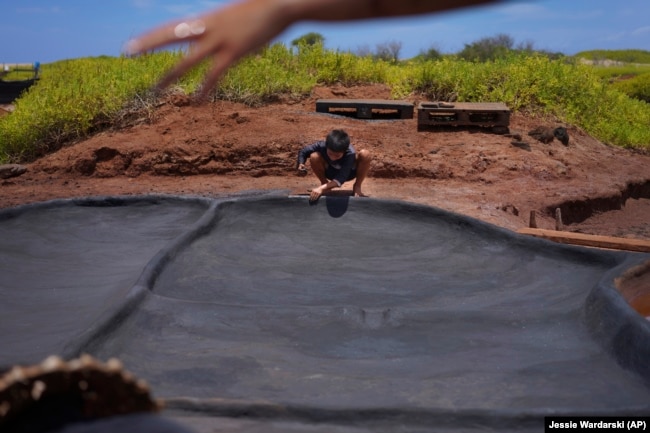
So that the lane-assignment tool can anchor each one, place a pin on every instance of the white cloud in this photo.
(641, 31)
(614, 36)
(536, 13)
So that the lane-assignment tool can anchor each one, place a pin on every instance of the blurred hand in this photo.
(226, 35)
(229, 33)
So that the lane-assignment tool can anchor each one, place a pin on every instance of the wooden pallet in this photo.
(364, 107)
(485, 114)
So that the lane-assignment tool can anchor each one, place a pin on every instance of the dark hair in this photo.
(337, 141)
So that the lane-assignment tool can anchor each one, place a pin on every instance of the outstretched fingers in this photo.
(168, 34)
(225, 34)
(220, 64)
(193, 57)
(203, 47)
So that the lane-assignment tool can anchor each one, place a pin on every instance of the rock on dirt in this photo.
(11, 170)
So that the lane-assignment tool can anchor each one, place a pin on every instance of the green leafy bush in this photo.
(637, 87)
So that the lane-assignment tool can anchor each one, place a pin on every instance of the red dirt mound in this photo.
(226, 148)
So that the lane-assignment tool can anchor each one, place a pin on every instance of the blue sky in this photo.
(51, 30)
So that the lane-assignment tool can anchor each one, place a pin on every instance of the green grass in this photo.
(16, 75)
(75, 98)
(71, 98)
(637, 87)
(621, 71)
(633, 80)
(625, 56)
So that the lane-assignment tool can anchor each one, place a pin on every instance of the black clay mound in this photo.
(356, 313)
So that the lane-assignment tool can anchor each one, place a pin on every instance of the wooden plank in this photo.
(375, 103)
(364, 107)
(463, 114)
(597, 241)
(5, 68)
(464, 106)
(17, 65)
(329, 193)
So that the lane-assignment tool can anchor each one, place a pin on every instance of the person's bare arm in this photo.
(347, 10)
(229, 33)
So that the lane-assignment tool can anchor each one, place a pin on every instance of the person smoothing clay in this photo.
(334, 161)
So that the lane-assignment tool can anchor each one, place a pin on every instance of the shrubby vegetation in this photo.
(637, 87)
(311, 38)
(74, 97)
(631, 79)
(499, 47)
(77, 97)
(624, 56)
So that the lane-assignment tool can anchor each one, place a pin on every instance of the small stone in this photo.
(543, 134)
(11, 170)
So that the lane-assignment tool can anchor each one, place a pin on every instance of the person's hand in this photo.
(229, 33)
(316, 193)
(302, 169)
(226, 35)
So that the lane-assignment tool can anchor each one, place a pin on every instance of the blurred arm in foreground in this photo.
(231, 32)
